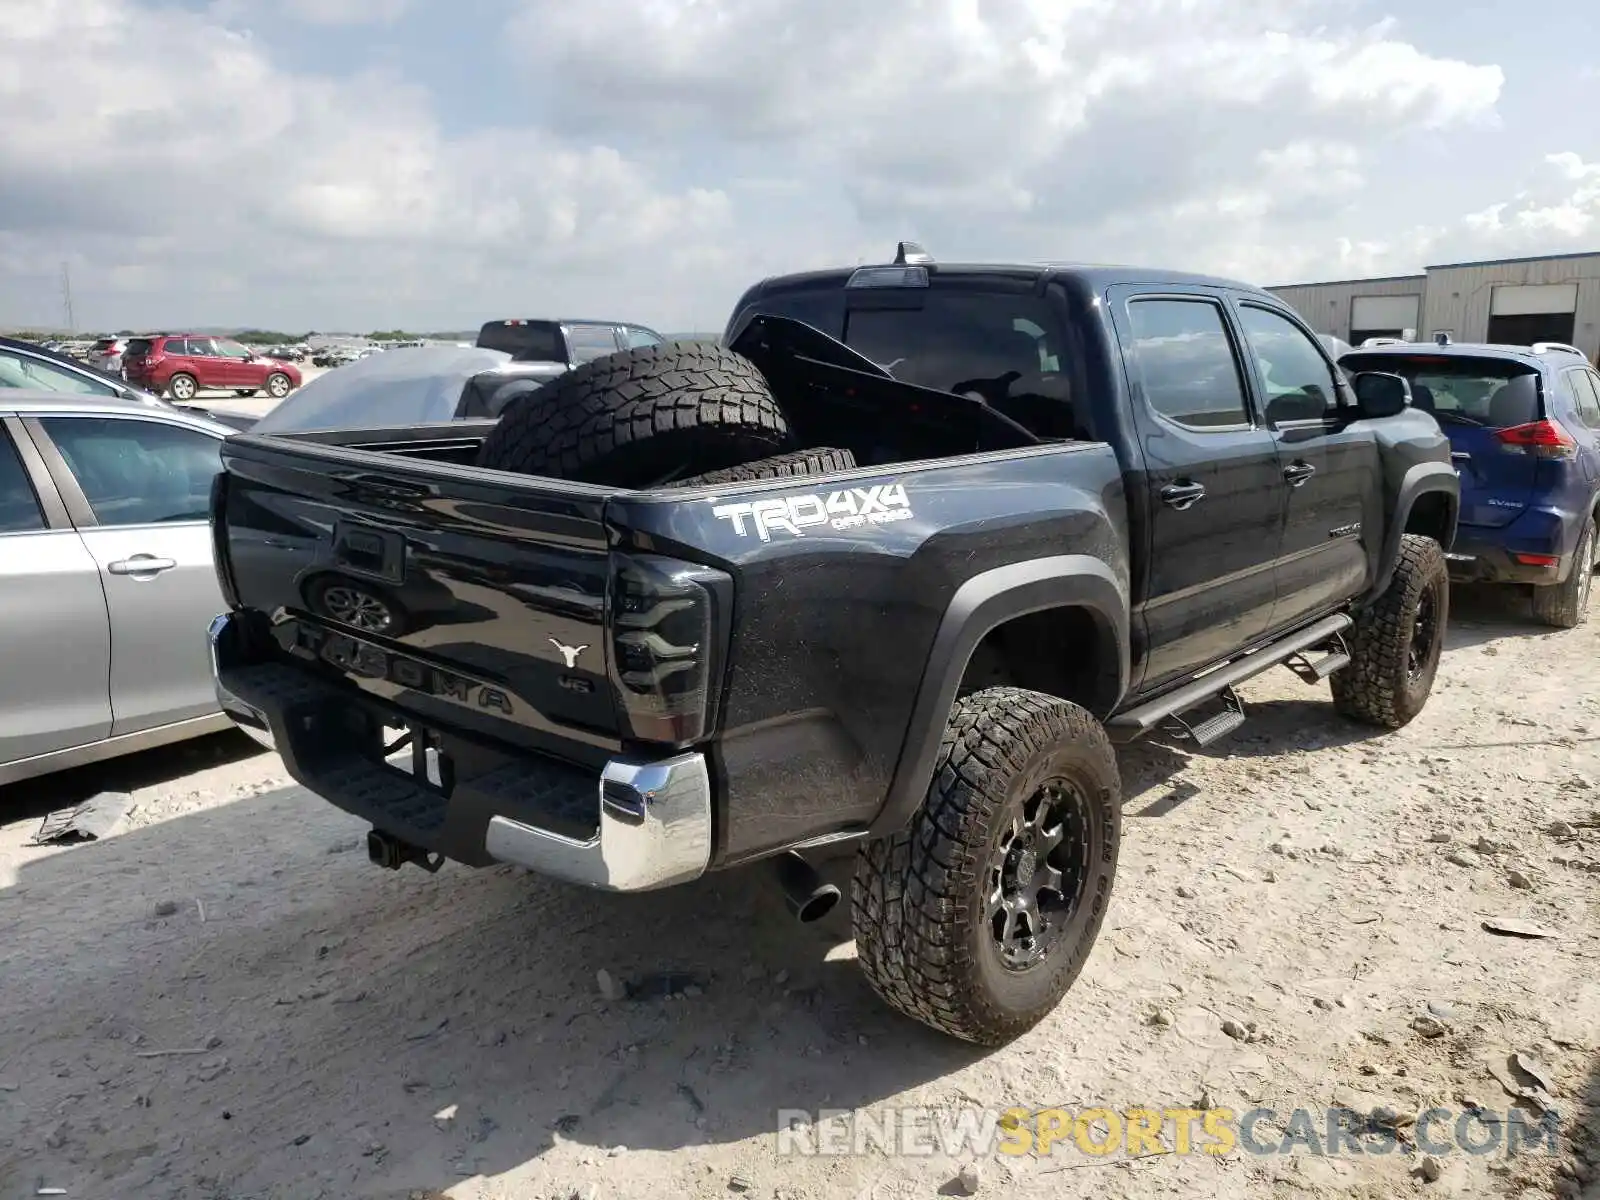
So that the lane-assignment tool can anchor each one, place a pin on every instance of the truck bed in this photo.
(535, 618)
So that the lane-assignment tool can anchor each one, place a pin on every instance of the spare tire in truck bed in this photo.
(801, 462)
(640, 418)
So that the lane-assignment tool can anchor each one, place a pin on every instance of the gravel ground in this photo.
(227, 1000)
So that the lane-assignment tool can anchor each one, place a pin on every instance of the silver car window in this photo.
(25, 371)
(19, 507)
(135, 472)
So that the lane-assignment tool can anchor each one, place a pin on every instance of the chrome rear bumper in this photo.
(655, 830)
(652, 819)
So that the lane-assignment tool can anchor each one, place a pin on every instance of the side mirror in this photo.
(1380, 394)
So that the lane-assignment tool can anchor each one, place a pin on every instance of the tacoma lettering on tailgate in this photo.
(373, 662)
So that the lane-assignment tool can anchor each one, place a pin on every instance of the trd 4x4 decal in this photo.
(849, 508)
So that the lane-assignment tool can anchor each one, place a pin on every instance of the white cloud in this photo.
(236, 178)
(1556, 212)
(668, 152)
(920, 108)
(1557, 216)
(315, 12)
(347, 12)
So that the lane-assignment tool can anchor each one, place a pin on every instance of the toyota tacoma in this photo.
(888, 572)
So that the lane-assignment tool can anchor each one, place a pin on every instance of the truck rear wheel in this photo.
(801, 462)
(1566, 605)
(978, 916)
(1397, 641)
(641, 418)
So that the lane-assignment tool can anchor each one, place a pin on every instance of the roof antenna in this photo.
(910, 252)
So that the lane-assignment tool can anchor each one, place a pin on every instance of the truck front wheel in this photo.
(1397, 641)
(977, 917)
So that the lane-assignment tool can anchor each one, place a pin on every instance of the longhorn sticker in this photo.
(569, 654)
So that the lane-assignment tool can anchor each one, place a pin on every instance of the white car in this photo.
(106, 355)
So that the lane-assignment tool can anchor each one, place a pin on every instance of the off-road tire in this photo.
(180, 383)
(1566, 605)
(801, 462)
(1377, 687)
(641, 418)
(919, 895)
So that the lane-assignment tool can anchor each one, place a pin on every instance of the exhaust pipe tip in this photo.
(818, 905)
(806, 894)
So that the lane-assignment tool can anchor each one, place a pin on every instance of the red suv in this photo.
(182, 364)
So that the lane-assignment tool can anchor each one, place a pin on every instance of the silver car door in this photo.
(55, 645)
(139, 489)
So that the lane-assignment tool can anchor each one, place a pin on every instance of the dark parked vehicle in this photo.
(566, 342)
(1524, 429)
(999, 519)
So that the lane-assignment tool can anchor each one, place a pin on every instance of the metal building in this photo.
(1555, 298)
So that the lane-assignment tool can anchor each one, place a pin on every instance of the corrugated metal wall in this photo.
(1326, 306)
(1458, 297)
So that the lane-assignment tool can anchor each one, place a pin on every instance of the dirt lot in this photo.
(228, 1001)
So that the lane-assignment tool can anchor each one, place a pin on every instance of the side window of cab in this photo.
(1296, 380)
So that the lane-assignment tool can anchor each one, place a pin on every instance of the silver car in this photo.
(106, 579)
(106, 355)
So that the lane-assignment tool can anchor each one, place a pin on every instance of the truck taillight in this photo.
(669, 631)
(1539, 439)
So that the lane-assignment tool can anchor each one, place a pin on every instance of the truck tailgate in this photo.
(479, 604)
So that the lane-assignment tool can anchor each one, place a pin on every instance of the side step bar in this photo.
(1315, 670)
(1213, 728)
(1136, 722)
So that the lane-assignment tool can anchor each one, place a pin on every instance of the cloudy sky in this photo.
(355, 164)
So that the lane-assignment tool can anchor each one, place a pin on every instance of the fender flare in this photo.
(1421, 479)
(980, 605)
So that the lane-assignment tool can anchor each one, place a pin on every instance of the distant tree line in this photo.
(269, 337)
(405, 335)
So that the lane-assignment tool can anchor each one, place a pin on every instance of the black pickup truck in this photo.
(1008, 517)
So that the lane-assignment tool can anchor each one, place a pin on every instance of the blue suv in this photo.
(1524, 430)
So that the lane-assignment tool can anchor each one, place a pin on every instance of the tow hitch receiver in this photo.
(390, 852)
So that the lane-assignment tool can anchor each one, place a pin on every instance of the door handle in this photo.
(1298, 472)
(141, 564)
(1182, 495)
